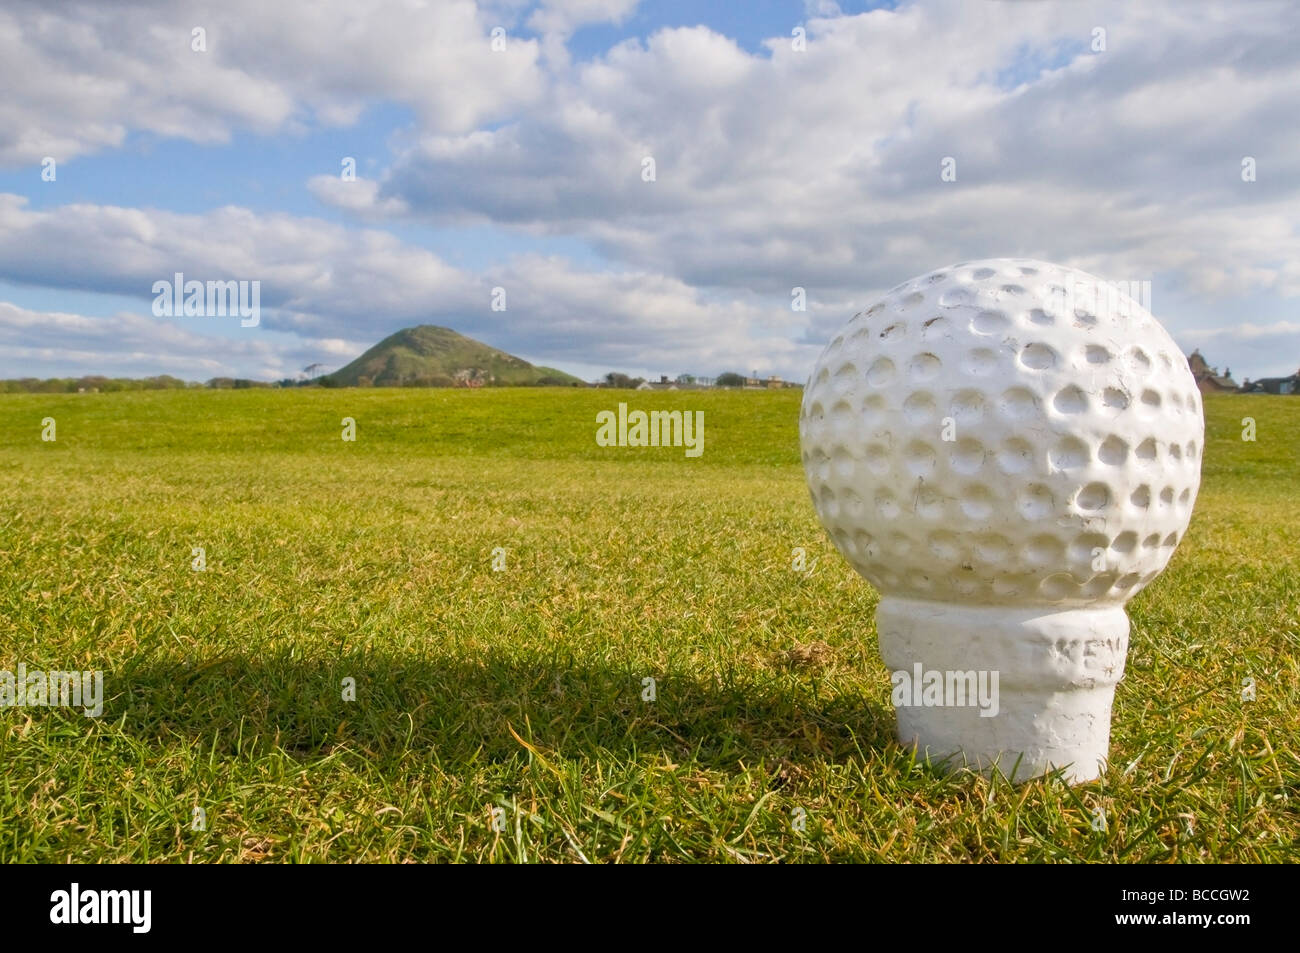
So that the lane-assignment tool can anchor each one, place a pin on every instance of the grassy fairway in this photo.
(521, 690)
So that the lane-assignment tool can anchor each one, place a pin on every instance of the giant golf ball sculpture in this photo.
(1009, 451)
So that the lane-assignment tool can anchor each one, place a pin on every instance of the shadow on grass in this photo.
(459, 712)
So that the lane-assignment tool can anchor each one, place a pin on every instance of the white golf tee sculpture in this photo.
(1009, 450)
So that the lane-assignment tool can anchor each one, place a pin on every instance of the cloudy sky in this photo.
(508, 144)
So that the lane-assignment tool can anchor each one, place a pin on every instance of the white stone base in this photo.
(1056, 670)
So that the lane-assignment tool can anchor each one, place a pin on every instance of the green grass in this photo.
(521, 690)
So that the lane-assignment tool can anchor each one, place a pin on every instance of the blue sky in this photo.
(522, 169)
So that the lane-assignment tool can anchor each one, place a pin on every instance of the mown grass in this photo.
(520, 691)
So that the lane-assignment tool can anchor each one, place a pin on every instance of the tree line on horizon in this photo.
(94, 383)
(725, 379)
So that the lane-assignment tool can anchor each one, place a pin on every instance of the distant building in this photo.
(767, 383)
(1273, 385)
(1208, 379)
(472, 377)
(693, 382)
(682, 382)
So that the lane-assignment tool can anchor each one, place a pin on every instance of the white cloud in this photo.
(821, 8)
(636, 319)
(134, 345)
(322, 281)
(79, 76)
(564, 16)
(1248, 349)
(316, 277)
(822, 167)
(817, 168)
(360, 196)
